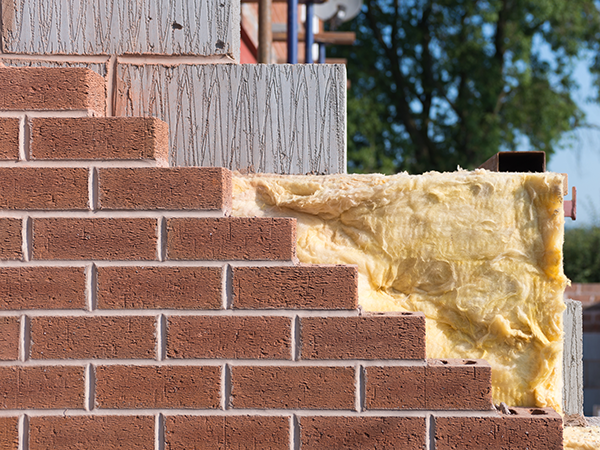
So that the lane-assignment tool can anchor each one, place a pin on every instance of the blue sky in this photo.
(582, 161)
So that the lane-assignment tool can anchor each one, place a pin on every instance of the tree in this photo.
(436, 84)
(582, 254)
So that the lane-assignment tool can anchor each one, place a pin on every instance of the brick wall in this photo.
(136, 314)
(589, 296)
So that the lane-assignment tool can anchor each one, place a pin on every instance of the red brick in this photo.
(10, 330)
(232, 238)
(301, 287)
(104, 138)
(158, 387)
(42, 288)
(533, 428)
(34, 89)
(399, 387)
(9, 433)
(10, 239)
(9, 138)
(159, 287)
(47, 188)
(229, 337)
(590, 288)
(385, 336)
(51, 387)
(93, 337)
(406, 433)
(183, 188)
(298, 387)
(459, 384)
(115, 239)
(227, 432)
(91, 432)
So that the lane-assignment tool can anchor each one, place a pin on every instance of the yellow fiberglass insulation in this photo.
(580, 438)
(480, 253)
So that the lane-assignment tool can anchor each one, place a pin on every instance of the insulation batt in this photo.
(480, 253)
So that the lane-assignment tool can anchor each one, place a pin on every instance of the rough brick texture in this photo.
(400, 336)
(229, 337)
(10, 239)
(318, 433)
(91, 432)
(297, 387)
(159, 287)
(232, 238)
(532, 428)
(116, 239)
(449, 384)
(49, 387)
(51, 89)
(184, 188)
(400, 387)
(93, 337)
(9, 433)
(42, 288)
(231, 433)
(158, 387)
(47, 188)
(459, 384)
(296, 287)
(9, 138)
(110, 138)
(10, 330)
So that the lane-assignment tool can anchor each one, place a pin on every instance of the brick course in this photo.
(46, 189)
(159, 287)
(110, 138)
(231, 433)
(232, 238)
(229, 337)
(116, 239)
(91, 432)
(295, 287)
(93, 337)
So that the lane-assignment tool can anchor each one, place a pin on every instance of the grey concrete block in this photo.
(572, 358)
(92, 27)
(287, 119)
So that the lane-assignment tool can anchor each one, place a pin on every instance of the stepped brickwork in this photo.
(136, 314)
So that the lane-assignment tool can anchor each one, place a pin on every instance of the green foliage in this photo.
(582, 254)
(436, 84)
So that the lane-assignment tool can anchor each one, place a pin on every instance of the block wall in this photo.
(135, 313)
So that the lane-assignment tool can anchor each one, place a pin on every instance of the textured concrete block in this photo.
(269, 118)
(94, 27)
(572, 358)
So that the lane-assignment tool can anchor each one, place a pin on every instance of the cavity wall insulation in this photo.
(480, 253)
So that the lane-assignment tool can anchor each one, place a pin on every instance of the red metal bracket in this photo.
(570, 206)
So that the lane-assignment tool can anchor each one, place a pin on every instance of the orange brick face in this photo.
(158, 387)
(93, 337)
(185, 188)
(232, 238)
(50, 387)
(109, 138)
(10, 330)
(117, 239)
(42, 287)
(10, 239)
(91, 432)
(9, 138)
(298, 387)
(160, 287)
(372, 337)
(232, 432)
(47, 188)
(51, 89)
(295, 287)
(407, 433)
(229, 337)
(9, 433)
